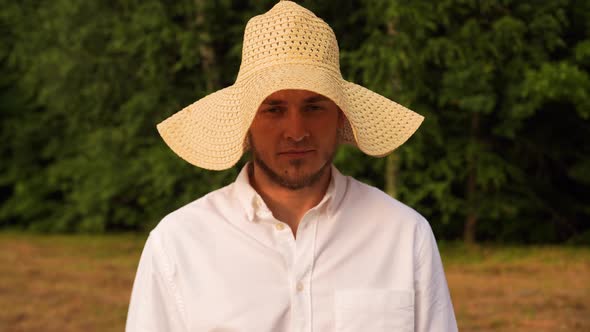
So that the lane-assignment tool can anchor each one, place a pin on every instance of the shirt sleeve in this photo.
(433, 307)
(154, 304)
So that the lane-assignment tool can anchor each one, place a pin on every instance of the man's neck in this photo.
(288, 205)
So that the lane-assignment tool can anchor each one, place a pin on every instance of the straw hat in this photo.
(287, 47)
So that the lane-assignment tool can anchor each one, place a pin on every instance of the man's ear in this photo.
(341, 118)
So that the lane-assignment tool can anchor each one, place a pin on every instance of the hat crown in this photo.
(288, 33)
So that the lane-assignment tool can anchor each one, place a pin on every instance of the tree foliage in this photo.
(504, 87)
(505, 96)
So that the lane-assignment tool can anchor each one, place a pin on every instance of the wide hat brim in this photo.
(211, 133)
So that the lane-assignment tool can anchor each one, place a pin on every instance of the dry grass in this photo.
(82, 283)
(520, 289)
(59, 283)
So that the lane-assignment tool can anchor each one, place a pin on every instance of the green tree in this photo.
(103, 74)
(485, 74)
(503, 85)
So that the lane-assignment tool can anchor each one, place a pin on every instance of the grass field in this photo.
(82, 283)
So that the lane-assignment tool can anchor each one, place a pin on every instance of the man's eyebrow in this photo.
(309, 100)
(315, 99)
(273, 102)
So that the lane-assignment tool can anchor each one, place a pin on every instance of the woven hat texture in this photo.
(287, 47)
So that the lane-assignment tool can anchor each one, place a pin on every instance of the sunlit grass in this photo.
(459, 253)
(83, 282)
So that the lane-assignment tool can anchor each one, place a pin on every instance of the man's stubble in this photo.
(282, 180)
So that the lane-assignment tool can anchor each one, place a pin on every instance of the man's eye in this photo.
(313, 108)
(273, 110)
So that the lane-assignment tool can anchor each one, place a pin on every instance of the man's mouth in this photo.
(296, 152)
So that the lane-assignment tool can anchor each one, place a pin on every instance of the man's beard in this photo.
(307, 180)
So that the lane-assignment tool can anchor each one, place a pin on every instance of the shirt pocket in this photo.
(374, 310)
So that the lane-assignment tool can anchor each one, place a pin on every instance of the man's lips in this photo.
(296, 152)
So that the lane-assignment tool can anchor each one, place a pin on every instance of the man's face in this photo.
(294, 136)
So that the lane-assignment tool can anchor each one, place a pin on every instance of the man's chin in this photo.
(297, 183)
(293, 176)
(298, 171)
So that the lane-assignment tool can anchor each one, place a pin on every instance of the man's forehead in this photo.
(285, 96)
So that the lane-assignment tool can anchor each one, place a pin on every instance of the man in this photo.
(292, 244)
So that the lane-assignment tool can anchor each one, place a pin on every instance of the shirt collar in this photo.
(253, 204)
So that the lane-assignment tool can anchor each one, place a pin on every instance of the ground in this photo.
(82, 283)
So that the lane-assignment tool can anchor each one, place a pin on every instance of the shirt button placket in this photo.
(286, 246)
(303, 263)
(286, 243)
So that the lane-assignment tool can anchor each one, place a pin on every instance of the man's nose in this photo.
(296, 128)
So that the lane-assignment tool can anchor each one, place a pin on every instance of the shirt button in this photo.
(280, 226)
(299, 286)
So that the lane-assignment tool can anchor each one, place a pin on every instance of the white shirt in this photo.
(361, 261)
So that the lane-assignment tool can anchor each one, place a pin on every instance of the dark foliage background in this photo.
(504, 86)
